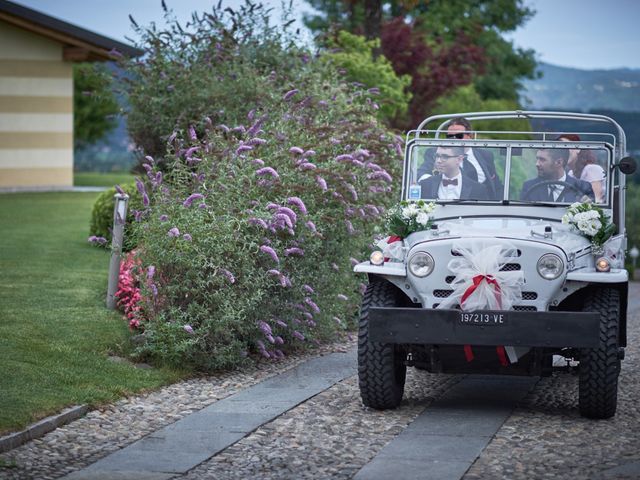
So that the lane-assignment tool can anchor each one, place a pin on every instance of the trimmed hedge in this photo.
(102, 215)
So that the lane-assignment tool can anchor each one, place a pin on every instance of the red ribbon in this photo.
(502, 355)
(392, 239)
(476, 283)
(468, 352)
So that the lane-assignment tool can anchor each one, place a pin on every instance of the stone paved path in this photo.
(186, 443)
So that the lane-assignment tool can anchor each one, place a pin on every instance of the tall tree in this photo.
(442, 44)
(94, 103)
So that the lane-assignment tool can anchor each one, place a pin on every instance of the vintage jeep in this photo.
(507, 282)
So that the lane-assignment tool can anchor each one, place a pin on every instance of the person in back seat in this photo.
(478, 164)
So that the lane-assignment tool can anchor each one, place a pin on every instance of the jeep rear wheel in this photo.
(381, 367)
(600, 367)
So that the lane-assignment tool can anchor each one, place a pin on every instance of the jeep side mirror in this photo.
(627, 165)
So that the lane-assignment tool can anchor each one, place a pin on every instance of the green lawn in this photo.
(55, 332)
(96, 179)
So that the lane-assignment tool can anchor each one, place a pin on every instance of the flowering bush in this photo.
(590, 221)
(253, 223)
(407, 217)
(128, 294)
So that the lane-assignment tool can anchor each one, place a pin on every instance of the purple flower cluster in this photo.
(191, 198)
(296, 151)
(322, 183)
(97, 240)
(267, 171)
(271, 252)
(296, 201)
(290, 94)
(229, 276)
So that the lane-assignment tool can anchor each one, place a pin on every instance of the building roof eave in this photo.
(80, 44)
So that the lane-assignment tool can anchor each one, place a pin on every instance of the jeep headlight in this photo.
(421, 264)
(550, 266)
(376, 258)
(603, 264)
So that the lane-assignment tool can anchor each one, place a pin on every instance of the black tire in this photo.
(381, 367)
(600, 367)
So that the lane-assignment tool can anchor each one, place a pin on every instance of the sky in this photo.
(587, 34)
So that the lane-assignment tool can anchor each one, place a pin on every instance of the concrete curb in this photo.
(44, 426)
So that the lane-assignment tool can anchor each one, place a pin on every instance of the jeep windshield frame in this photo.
(609, 135)
(509, 155)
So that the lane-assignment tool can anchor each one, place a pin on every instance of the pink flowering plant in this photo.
(252, 248)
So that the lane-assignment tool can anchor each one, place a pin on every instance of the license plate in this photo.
(483, 318)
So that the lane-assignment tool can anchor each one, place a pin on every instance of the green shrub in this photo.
(355, 54)
(102, 215)
(249, 238)
(206, 69)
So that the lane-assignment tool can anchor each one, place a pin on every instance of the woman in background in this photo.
(586, 168)
(582, 164)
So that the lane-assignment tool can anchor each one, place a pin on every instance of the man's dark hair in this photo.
(457, 150)
(558, 154)
(460, 121)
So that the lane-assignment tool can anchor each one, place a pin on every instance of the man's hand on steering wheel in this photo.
(526, 195)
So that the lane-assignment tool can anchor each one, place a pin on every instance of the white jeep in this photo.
(516, 265)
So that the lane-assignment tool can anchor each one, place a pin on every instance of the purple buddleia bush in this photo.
(285, 191)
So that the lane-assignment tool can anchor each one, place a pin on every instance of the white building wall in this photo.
(36, 111)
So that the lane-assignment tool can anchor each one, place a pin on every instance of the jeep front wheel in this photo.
(600, 367)
(381, 367)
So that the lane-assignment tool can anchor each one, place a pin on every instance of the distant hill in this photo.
(583, 90)
(614, 93)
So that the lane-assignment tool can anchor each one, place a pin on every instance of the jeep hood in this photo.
(527, 229)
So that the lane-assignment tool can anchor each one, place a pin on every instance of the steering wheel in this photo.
(546, 183)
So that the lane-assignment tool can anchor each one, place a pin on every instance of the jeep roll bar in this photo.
(621, 144)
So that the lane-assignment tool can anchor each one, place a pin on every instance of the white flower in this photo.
(422, 218)
(409, 211)
(589, 226)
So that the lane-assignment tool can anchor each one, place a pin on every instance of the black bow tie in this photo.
(446, 182)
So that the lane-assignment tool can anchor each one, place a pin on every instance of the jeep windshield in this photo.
(549, 173)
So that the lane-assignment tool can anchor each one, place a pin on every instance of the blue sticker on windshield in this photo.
(415, 192)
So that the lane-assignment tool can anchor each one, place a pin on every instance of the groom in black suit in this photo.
(477, 164)
(557, 186)
(449, 183)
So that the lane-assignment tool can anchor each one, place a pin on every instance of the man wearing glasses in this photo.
(477, 164)
(449, 183)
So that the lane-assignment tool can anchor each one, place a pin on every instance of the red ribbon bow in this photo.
(476, 283)
(446, 182)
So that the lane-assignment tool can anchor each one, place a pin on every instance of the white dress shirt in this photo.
(474, 161)
(450, 192)
(556, 189)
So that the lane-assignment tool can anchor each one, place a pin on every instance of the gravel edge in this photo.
(42, 427)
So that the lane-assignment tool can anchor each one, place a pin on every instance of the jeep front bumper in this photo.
(484, 327)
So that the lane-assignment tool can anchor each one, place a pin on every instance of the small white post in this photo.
(634, 252)
(119, 219)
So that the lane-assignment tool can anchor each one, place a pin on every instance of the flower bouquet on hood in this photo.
(407, 217)
(591, 221)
